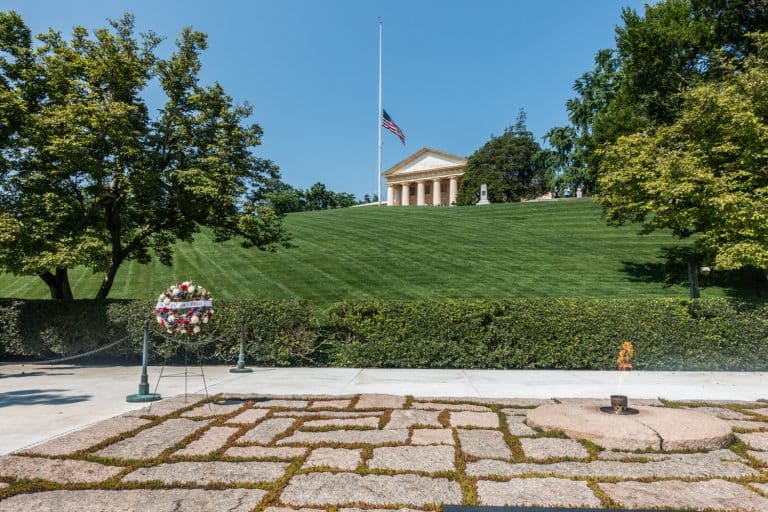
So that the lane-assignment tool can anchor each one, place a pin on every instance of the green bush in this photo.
(278, 333)
(551, 333)
(529, 333)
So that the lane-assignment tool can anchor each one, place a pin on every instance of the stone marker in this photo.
(249, 416)
(425, 436)
(339, 488)
(374, 401)
(203, 473)
(537, 492)
(656, 428)
(265, 452)
(347, 437)
(153, 441)
(55, 470)
(430, 459)
(475, 419)
(211, 440)
(266, 431)
(484, 443)
(483, 195)
(341, 458)
(405, 418)
(714, 494)
(156, 500)
(343, 422)
(87, 437)
(605, 468)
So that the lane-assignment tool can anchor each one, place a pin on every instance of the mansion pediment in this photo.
(427, 161)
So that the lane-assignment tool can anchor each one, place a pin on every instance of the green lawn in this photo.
(558, 248)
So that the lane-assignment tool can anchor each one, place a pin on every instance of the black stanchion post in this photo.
(144, 395)
(240, 368)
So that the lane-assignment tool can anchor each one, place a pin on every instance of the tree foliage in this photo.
(705, 173)
(88, 176)
(512, 165)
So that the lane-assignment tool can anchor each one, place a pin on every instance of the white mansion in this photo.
(427, 177)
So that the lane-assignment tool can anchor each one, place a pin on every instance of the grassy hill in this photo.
(558, 248)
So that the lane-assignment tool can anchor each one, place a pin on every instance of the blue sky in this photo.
(455, 72)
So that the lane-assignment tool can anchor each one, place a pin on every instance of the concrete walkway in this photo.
(39, 402)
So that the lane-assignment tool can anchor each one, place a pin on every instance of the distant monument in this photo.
(483, 194)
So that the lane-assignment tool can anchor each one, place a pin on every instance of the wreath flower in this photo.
(184, 308)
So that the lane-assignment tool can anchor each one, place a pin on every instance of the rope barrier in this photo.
(70, 358)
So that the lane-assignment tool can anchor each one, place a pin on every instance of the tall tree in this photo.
(704, 174)
(510, 164)
(89, 177)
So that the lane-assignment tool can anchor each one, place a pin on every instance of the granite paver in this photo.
(87, 437)
(517, 426)
(722, 412)
(167, 405)
(266, 431)
(374, 401)
(610, 469)
(211, 440)
(286, 404)
(327, 414)
(265, 452)
(213, 409)
(484, 443)
(761, 456)
(547, 492)
(343, 422)
(331, 404)
(55, 470)
(413, 458)
(437, 406)
(341, 458)
(347, 488)
(545, 448)
(424, 436)
(209, 472)
(757, 440)
(136, 500)
(249, 416)
(474, 419)
(405, 418)
(347, 437)
(712, 494)
(153, 441)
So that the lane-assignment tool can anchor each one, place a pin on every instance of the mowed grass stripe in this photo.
(556, 248)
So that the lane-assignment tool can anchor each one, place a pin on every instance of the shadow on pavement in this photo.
(40, 396)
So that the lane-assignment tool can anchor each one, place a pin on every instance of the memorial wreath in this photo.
(184, 308)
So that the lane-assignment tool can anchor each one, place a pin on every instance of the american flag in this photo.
(390, 125)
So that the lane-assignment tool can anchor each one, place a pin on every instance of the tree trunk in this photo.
(58, 284)
(109, 279)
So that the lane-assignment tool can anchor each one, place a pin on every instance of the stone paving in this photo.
(372, 453)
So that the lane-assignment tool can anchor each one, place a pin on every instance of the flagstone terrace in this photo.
(347, 453)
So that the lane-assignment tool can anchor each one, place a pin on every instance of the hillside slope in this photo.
(558, 248)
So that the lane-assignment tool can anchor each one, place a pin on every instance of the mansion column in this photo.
(435, 192)
(390, 195)
(420, 193)
(453, 190)
(404, 194)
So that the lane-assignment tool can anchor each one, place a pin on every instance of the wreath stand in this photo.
(186, 373)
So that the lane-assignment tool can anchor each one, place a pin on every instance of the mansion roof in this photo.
(427, 161)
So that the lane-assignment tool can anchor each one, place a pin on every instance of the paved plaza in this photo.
(249, 452)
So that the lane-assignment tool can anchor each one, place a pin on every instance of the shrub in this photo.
(551, 333)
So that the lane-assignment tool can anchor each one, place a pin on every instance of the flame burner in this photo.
(619, 405)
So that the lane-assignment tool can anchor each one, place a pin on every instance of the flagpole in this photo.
(378, 174)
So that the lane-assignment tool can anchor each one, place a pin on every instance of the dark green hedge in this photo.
(551, 333)
(579, 333)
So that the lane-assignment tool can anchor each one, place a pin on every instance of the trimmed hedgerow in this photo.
(551, 333)
(579, 333)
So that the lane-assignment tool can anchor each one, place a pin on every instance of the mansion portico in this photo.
(427, 177)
